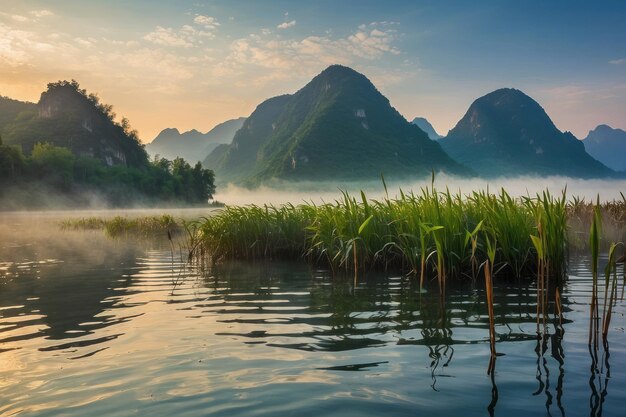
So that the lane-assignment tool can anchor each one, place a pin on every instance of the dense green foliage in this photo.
(54, 176)
(339, 126)
(419, 233)
(507, 133)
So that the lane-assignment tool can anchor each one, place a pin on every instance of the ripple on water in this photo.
(134, 332)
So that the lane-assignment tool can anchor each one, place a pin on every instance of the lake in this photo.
(92, 326)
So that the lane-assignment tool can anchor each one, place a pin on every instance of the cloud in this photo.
(290, 53)
(617, 61)
(207, 21)
(22, 47)
(36, 15)
(41, 13)
(168, 37)
(260, 59)
(186, 37)
(286, 25)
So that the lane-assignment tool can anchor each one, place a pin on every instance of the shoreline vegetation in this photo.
(429, 233)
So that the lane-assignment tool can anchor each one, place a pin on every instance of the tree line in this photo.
(55, 170)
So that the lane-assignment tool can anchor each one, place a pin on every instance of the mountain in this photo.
(608, 146)
(338, 126)
(193, 146)
(507, 133)
(425, 125)
(10, 109)
(66, 116)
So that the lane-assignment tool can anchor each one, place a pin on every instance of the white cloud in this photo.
(286, 25)
(617, 61)
(21, 47)
(290, 53)
(206, 21)
(185, 37)
(168, 37)
(258, 60)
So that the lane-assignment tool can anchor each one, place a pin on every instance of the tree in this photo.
(53, 162)
(11, 162)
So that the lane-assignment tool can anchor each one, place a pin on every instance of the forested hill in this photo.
(68, 151)
(507, 133)
(69, 117)
(337, 127)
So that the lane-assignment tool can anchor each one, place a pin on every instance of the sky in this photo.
(193, 64)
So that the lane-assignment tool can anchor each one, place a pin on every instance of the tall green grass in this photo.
(124, 226)
(428, 234)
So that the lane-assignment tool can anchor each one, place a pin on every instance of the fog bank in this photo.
(318, 192)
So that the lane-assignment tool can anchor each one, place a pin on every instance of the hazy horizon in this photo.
(317, 192)
(192, 65)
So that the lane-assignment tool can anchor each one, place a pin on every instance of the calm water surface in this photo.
(91, 327)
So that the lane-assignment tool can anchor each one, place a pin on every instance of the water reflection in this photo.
(120, 316)
(599, 378)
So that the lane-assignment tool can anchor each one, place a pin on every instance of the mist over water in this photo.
(318, 192)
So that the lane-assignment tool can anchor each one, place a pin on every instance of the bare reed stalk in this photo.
(558, 305)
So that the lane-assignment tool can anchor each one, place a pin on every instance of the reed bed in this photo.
(612, 221)
(426, 234)
(123, 226)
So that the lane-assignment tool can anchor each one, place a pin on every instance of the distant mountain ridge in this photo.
(425, 125)
(193, 146)
(338, 126)
(608, 146)
(507, 133)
